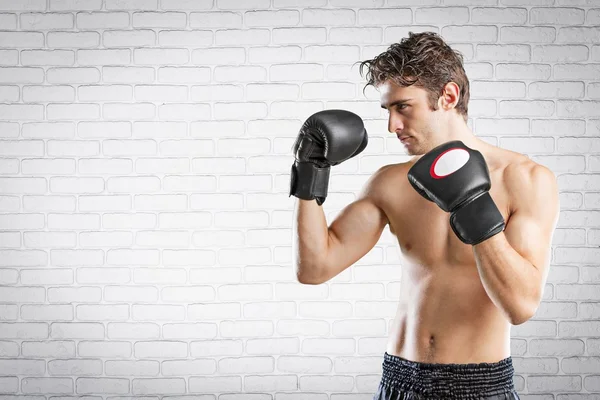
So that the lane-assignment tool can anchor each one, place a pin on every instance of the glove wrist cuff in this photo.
(477, 220)
(309, 182)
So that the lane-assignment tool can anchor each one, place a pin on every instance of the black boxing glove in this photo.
(456, 178)
(326, 138)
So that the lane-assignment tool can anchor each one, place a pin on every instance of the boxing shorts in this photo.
(408, 380)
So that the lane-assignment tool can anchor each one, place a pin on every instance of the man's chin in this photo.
(414, 151)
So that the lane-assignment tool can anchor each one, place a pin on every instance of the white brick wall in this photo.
(145, 227)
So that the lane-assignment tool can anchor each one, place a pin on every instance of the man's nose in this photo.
(395, 125)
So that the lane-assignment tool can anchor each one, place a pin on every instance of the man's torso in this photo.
(444, 314)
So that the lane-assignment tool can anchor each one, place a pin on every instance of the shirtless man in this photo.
(450, 337)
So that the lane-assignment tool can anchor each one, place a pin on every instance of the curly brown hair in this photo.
(423, 59)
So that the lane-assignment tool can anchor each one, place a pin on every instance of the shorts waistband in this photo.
(464, 381)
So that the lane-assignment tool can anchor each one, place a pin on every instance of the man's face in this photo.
(410, 117)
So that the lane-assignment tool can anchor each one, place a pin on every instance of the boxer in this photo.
(473, 222)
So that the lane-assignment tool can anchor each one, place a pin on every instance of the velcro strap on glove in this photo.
(309, 182)
(477, 220)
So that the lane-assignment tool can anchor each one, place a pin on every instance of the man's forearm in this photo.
(310, 239)
(508, 278)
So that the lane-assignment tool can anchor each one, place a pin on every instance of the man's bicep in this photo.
(530, 228)
(354, 233)
(357, 228)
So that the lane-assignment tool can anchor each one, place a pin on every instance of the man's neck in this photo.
(459, 130)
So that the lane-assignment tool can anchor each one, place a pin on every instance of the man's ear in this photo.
(450, 96)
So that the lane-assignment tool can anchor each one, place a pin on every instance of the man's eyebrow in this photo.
(400, 101)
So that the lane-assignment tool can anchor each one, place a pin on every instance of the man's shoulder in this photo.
(524, 171)
(385, 181)
(388, 173)
(516, 167)
(529, 182)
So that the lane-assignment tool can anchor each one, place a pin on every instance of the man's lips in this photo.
(403, 138)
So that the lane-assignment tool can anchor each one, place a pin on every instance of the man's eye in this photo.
(401, 106)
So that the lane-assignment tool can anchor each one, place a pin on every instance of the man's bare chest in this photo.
(423, 229)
